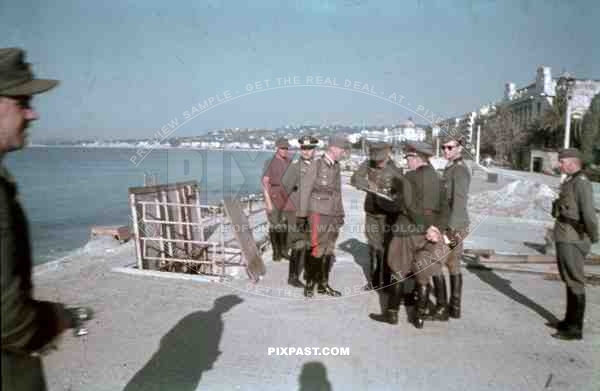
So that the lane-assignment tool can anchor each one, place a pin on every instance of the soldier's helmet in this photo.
(308, 142)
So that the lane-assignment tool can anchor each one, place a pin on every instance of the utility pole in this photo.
(477, 156)
(568, 122)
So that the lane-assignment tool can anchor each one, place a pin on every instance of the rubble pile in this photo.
(520, 199)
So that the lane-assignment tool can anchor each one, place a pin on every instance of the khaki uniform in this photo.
(297, 238)
(457, 180)
(282, 207)
(576, 227)
(321, 202)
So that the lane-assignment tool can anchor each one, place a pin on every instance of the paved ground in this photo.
(153, 333)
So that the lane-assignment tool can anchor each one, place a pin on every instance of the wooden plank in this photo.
(243, 233)
(159, 188)
(136, 232)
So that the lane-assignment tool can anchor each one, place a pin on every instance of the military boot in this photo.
(284, 250)
(440, 311)
(574, 328)
(422, 303)
(455, 295)
(310, 275)
(274, 244)
(293, 275)
(325, 264)
(396, 291)
(564, 324)
(373, 282)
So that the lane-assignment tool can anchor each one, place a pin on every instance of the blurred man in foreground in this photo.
(29, 326)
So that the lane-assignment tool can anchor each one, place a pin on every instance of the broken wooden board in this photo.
(548, 271)
(242, 231)
(490, 256)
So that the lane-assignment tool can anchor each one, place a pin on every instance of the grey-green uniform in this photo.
(457, 180)
(298, 239)
(380, 212)
(421, 206)
(575, 228)
(322, 208)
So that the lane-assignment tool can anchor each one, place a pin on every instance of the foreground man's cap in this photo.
(16, 78)
(570, 153)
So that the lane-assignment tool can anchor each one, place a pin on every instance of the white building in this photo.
(406, 131)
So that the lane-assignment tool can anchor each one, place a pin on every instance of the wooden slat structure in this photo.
(171, 227)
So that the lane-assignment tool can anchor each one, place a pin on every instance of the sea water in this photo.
(67, 190)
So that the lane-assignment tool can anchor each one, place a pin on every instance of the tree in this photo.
(590, 130)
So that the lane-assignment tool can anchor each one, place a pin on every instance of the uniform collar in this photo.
(574, 175)
(328, 159)
(455, 161)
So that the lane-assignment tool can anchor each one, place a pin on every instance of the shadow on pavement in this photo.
(503, 286)
(186, 351)
(314, 377)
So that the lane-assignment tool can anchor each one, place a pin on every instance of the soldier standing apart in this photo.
(298, 240)
(276, 199)
(321, 204)
(457, 180)
(416, 245)
(29, 326)
(576, 227)
(377, 173)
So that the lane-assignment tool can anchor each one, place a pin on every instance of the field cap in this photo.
(16, 77)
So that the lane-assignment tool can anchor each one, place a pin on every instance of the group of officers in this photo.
(416, 222)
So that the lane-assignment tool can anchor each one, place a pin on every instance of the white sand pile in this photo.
(520, 199)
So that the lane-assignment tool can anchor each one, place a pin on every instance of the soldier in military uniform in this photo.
(322, 210)
(457, 180)
(416, 245)
(297, 237)
(376, 174)
(29, 326)
(276, 199)
(576, 227)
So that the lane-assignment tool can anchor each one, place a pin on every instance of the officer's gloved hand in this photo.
(78, 317)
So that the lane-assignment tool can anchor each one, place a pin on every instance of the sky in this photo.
(128, 68)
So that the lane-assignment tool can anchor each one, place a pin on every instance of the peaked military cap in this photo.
(377, 150)
(419, 148)
(339, 140)
(308, 142)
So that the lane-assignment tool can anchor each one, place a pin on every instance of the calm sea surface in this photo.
(66, 191)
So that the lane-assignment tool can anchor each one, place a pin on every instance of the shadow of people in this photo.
(360, 252)
(314, 377)
(503, 286)
(186, 351)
